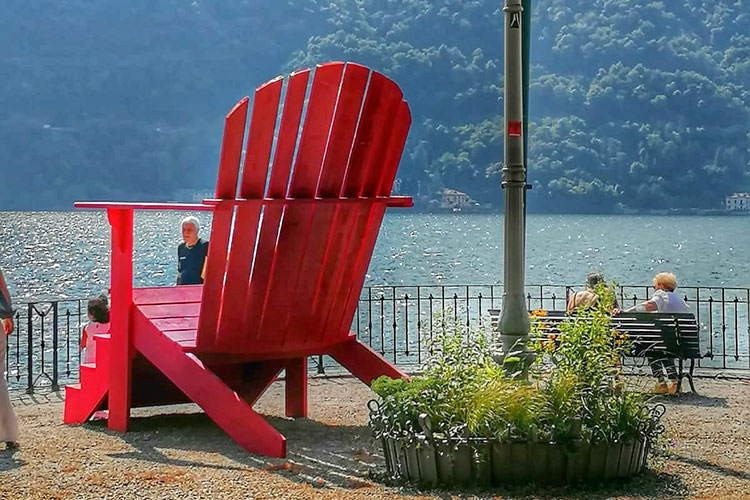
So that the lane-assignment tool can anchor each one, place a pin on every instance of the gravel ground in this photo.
(181, 454)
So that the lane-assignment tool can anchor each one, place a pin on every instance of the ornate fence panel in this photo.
(43, 351)
(397, 321)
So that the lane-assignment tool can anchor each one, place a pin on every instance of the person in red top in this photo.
(8, 424)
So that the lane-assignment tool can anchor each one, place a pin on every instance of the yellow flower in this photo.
(540, 312)
(551, 336)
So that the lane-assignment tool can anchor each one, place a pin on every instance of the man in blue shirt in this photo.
(191, 254)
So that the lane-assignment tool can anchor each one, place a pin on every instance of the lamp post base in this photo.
(515, 356)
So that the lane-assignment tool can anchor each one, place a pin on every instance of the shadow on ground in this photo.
(709, 466)
(8, 460)
(648, 485)
(317, 454)
(692, 399)
(338, 456)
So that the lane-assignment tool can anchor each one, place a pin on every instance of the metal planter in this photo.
(487, 462)
(429, 459)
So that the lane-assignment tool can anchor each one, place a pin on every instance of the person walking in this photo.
(8, 424)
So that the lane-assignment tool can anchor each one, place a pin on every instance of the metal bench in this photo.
(653, 335)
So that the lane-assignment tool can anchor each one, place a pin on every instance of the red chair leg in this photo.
(259, 377)
(121, 346)
(363, 362)
(296, 387)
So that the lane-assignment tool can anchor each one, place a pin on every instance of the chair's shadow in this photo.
(337, 455)
(317, 454)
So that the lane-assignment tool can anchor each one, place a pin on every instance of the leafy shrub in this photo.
(576, 377)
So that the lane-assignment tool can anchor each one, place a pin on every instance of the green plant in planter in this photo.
(575, 393)
(579, 370)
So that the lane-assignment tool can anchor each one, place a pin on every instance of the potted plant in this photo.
(466, 421)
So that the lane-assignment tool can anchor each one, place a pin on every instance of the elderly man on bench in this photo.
(664, 300)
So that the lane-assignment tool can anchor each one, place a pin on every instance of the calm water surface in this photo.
(49, 255)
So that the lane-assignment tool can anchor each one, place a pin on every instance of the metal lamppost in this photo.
(514, 320)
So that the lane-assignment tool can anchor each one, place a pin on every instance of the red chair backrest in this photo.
(286, 268)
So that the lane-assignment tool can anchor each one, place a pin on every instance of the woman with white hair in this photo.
(8, 423)
(191, 254)
(664, 300)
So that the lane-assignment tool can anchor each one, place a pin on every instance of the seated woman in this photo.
(664, 300)
(588, 297)
(98, 310)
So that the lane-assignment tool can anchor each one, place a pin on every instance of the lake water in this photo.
(54, 255)
(63, 255)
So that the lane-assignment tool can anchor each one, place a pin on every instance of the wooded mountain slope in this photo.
(633, 104)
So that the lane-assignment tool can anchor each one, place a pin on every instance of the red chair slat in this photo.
(239, 266)
(349, 294)
(161, 295)
(231, 150)
(238, 262)
(337, 261)
(294, 234)
(381, 94)
(342, 131)
(182, 336)
(312, 147)
(226, 187)
(260, 138)
(184, 309)
(178, 323)
(301, 299)
(383, 123)
(341, 272)
(259, 281)
(213, 283)
(295, 228)
(395, 149)
(288, 132)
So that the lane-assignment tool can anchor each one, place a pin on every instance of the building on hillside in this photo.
(455, 200)
(738, 201)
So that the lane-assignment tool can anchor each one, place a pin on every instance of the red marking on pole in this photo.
(514, 129)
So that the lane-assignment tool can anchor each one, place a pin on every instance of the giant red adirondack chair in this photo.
(290, 244)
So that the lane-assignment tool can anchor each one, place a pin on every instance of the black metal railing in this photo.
(43, 350)
(400, 321)
(397, 321)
